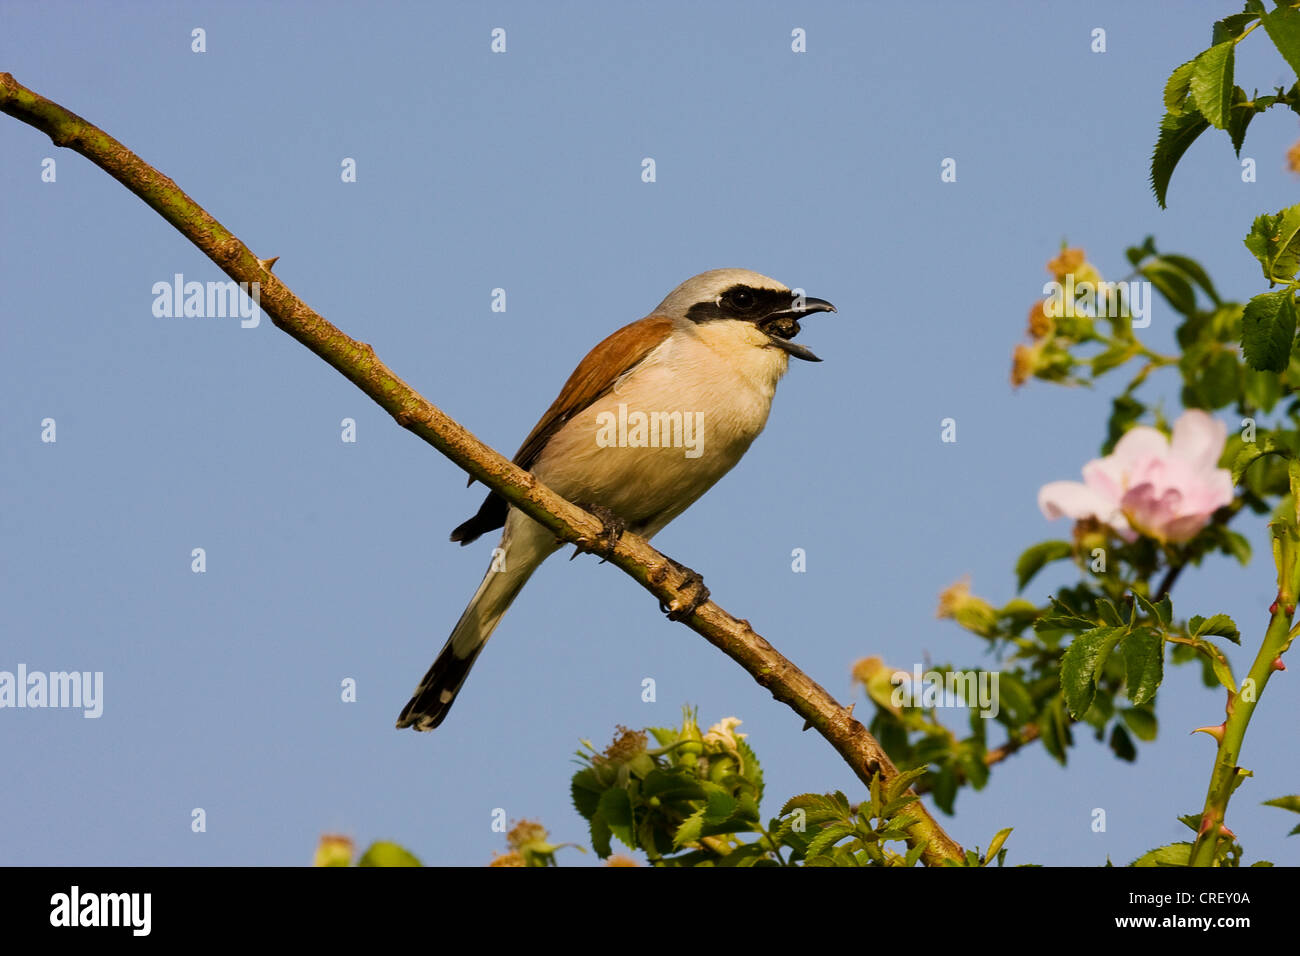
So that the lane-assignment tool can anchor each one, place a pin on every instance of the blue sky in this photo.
(522, 170)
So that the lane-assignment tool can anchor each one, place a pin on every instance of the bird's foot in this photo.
(612, 528)
(699, 595)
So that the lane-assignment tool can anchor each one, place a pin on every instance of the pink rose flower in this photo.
(1149, 485)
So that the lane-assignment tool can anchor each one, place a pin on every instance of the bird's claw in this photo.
(612, 528)
(699, 596)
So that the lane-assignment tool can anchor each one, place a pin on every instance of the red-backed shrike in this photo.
(646, 424)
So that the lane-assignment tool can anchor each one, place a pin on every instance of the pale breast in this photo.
(671, 427)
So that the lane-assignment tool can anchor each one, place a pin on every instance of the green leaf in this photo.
(720, 805)
(1251, 452)
(1142, 721)
(945, 789)
(1283, 28)
(1055, 729)
(995, 844)
(750, 854)
(1193, 270)
(1159, 614)
(818, 807)
(1108, 612)
(616, 812)
(1275, 241)
(1113, 357)
(1267, 331)
(1177, 87)
(384, 853)
(1080, 664)
(827, 837)
(1175, 854)
(1220, 382)
(1219, 625)
(690, 831)
(914, 854)
(1291, 803)
(1172, 284)
(1144, 662)
(1136, 254)
(1177, 132)
(1211, 83)
(1121, 744)
(600, 836)
(1014, 700)
(1262, 389)
(1125, 410)
(1239, 117)
(1231, 27)
(1035, 557)
(1060, 622)
(586, 790)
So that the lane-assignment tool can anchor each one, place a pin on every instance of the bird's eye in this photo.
(742, 300)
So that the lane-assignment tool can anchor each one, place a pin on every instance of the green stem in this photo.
(1227, 774)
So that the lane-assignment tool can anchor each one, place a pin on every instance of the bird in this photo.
(646, 424)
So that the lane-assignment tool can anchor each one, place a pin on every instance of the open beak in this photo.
(782, 327)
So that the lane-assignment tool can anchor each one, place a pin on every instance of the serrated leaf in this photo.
(1174, 854)
(751, 768)
(1275, 241)
(1144, 661)
(1177, 132)
(1231, 27)
(1177, 88)
(1056, 622)
(1035, 557)
(1080, 664)
(616, 811)
(828, 836)
(1283, 28)
(384, 853)
(600, 836)
(914, 853)
(586, 790)
(690, 831)
(1159, 614)
(897, 786)
(1251, 452)
(1109, 613)
(1268, 331)
(1219, 625)
(1239, 117)
(1211, 83)
(719, 805)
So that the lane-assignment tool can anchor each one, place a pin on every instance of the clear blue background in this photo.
(328, 560)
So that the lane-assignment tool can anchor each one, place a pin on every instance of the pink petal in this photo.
(1138, 444)
(1199, 439)
(1072, 499)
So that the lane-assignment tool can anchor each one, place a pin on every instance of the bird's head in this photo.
(739, 295)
